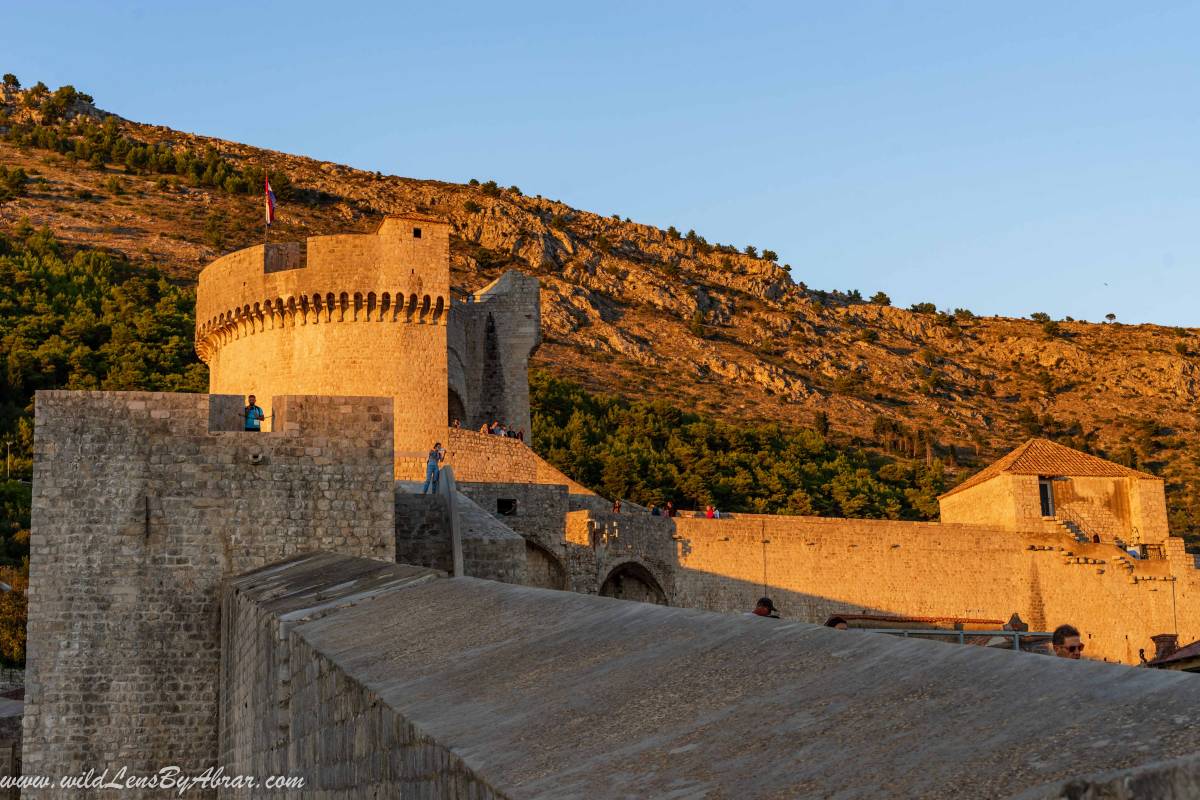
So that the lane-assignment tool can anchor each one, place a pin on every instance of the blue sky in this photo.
(1002, 157)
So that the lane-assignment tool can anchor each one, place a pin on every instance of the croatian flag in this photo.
(270, 200)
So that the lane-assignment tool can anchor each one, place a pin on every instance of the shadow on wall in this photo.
(638, 557)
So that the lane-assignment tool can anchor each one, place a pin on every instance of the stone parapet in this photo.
(142, 504)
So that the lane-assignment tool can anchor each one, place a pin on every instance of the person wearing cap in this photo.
(765, 608)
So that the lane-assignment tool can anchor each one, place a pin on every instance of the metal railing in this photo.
(1011, 640)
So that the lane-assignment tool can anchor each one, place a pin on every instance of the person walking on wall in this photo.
(254, 415)
(765, 608)
(436, 456)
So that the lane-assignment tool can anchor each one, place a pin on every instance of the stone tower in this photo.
(350, 315)
(370, 315)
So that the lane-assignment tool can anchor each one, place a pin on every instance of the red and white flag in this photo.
(270, 200)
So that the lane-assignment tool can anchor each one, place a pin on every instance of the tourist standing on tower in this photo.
(254, 415)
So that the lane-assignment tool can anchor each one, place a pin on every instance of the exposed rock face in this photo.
(633, 309)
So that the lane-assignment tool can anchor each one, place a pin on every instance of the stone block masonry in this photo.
(814, 567)
(375, 681)
(142, 504)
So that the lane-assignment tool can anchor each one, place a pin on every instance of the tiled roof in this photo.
(1044, 457)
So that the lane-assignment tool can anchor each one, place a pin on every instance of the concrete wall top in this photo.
(553, 694)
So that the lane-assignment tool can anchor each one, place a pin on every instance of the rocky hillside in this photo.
(632, 309)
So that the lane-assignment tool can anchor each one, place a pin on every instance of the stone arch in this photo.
(412, 308)
(343, 305)
(438, 308)
(385, 305)
(543, 568)
(359, 304)
(632, 581)
(329, 306)
(372, 304)
(455, 408)
(425, 308)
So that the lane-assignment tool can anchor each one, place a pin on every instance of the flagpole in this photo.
(266, 209)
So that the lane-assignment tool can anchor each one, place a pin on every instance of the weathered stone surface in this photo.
(490, 549)
(458, 686)
(142, 503)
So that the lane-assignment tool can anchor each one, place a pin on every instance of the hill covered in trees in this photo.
(629, 311)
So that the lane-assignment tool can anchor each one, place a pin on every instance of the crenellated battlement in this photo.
(289, 312)
(406, 257)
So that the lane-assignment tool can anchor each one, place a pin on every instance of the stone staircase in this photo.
(1072, 530)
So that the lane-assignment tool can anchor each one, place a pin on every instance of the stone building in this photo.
(1042, 481)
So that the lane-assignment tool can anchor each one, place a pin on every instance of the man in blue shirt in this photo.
(254, 416)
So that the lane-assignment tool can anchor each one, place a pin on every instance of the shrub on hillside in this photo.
(13, 182)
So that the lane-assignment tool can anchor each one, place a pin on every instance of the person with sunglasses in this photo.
(1067, 642)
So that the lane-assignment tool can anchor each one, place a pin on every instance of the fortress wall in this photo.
(491, 549)
(142, 504)
(370, 680)
(540, 509)
(483, 458)
(815, 567)
(501, 328)
(287, 709)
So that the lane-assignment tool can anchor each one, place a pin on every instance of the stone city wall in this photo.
(491, 550)
(813, 567)
(375, 681)
(142, 504)
(290, 710)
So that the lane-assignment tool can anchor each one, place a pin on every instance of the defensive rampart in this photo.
(142, 504)
(372, 680)
(813, 567)
(349, 315)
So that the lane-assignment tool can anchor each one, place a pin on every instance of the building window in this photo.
(416, 233)
(1046, 494)
(506, 507)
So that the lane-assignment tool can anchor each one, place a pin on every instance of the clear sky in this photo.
(1002, 157)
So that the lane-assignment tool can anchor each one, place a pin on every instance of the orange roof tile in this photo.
(1044, 457)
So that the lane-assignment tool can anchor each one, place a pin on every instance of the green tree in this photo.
(11, 81)
(881, 299)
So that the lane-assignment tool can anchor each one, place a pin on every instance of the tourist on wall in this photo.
(1067, 642)
(765, 608)
(254, 415)
(670, 509)
(617, 506)
(709, 512)
(436, 456)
